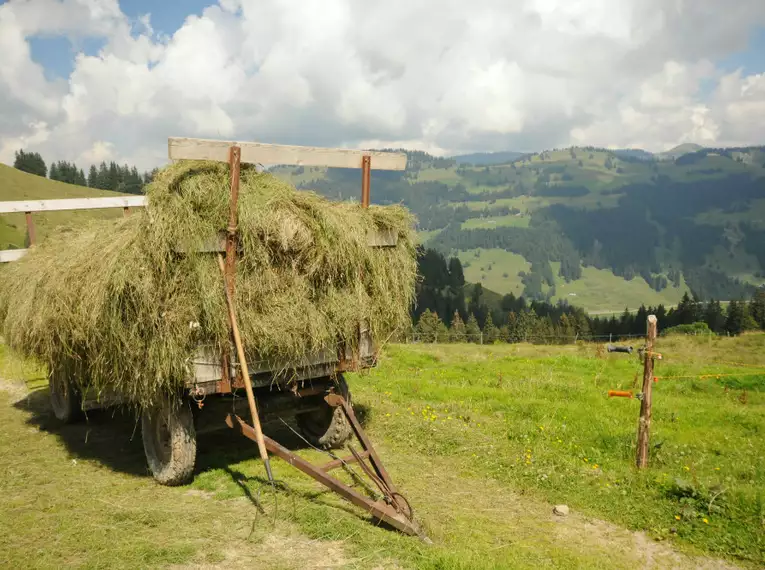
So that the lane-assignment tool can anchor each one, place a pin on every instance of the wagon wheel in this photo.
(169, 442)
(65, 397)
(327, 427)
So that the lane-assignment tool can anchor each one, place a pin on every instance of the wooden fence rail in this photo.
(27, 207)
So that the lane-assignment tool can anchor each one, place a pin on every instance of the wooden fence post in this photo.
(644, 425)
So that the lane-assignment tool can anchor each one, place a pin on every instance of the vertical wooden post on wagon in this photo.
(31, 234)
(366, 180)
(644, 425)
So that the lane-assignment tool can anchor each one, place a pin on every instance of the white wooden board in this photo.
(9, 255)
(268, 154)
(22, 206)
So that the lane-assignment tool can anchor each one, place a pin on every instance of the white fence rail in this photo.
(29, 206)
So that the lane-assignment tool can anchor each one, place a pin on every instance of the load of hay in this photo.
(118, 299)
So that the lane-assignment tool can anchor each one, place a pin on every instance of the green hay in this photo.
(118, 300)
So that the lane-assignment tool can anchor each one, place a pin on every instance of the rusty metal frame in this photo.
(392, 509)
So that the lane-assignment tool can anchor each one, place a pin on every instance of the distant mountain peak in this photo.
(686, 147)
(487, 158)
(680, 150)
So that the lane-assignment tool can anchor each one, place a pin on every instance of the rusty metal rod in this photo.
(234, 163)
(374, 459)
(30, 228)
(246, 375)
(335, 463)
(366, 180)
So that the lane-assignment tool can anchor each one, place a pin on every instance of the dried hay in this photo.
(120, 301)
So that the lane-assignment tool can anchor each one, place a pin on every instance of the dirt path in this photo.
(509, 520)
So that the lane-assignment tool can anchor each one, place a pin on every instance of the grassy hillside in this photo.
(626, 226)
(18, 185)
(482, 440)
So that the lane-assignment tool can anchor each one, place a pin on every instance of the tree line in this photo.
(111, 176)
(449, 309)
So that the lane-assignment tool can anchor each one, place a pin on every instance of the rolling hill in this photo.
(602, 229)
(18, 185)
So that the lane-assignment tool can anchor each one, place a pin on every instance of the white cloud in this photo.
(444, 76)
(101, 151)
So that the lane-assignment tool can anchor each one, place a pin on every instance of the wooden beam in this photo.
(23, 206)
(644, 425)
(8, 255)
(252, 152)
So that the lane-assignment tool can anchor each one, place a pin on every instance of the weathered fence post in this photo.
(644, 425)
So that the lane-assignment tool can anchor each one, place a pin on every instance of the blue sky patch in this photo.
(752, 60)
(56, 53)
(166, 16)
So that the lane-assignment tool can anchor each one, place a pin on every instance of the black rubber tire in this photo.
(327, 427)
(65, 397)
(170, 443)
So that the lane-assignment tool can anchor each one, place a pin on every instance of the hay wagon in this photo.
(313, 390)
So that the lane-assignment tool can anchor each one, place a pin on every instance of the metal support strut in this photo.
(392, 509)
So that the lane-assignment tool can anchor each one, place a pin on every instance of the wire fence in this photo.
(484, 338)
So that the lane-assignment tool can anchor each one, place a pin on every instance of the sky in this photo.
(93, 80)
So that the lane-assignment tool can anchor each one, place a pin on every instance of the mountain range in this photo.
(604, 229)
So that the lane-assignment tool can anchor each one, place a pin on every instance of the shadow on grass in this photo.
(112, 436)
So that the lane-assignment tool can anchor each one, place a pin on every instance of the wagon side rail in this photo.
(203, 149)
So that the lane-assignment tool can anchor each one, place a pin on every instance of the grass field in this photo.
(483, 440)
(495, 269)
(497, 222)
(600, 290)
(742, 265)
